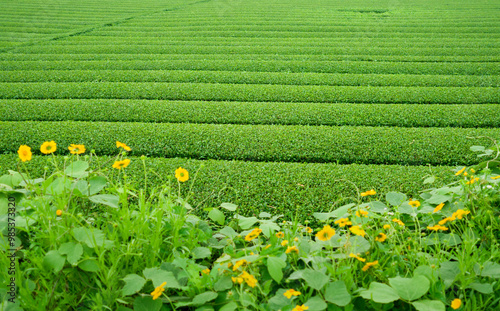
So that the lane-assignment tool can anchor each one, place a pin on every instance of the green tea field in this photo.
(283, 102)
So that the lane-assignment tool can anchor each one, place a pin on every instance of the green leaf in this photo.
(448, 271)
(429, 305)
(279, 301)
(229, 206)
(58, 186)
(72, 250)
(477, 148)
(97, 183)
(54, 260)
(315, 279)
(229, 307)
(484, 288)
(378, 207)
(159, 276)
(91, 237)
(224, 283)
(146, 303)
(274, 266)
(316, 304)
(410, 288)
(268, 227)
(356, 244)
(229, 232)
(395, 198)
(380, 293)
(133, 284)
(429, 180)
(246, 222)
(439, 198)
(217, 216)
(201, 252)
(337, 293)
(265, 215)
(491, 269)
(77, 169)
(204, 298)
(82, 187)
(110, 200)
(339, 212)
(89, 265)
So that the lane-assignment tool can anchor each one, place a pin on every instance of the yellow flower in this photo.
(460, 171)
(300, 308)
(399, 222)
(249, 279)
(58, 212)
(438, 208)
(280, 234)
(158, 291)
(76, 149)
(181, 174)
(460, 213)
(496, 177)
(381, 237)
(369, 264)
(285, 242)
(119, 144)
(291, 292)
(472, 180)
(371, 192)
(472, 170)
(465, 174)
(325, 234)
(48, 147)
(296, 239)
(252, 235)
(342, 222)
(361, 213)
(121, 164)
(445, 220)
(387, 226)
(290, 249)
(24, 153)
(357, 230)
(437, 227)
(206, 271)
(415, 203)
(456, 303)
(309, 230)
(357, 257)
(239, 263)
(267, 246)
(229, 265)
(237, 280)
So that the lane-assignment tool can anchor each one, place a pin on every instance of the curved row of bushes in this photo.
(125, 110)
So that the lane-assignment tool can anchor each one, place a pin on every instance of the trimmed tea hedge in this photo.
(344, 145)
(124, 110)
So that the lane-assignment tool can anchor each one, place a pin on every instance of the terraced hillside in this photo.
(282, 101)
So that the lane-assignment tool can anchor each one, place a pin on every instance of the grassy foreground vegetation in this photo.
(148, 250)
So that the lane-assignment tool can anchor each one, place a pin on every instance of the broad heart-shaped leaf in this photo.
(133, 284)
(203, 298)
(224, 283)
(96, 184)
(81, 187)
(58, 186)
(278, 301)
(484, 288)
(77, 169)
(316, 304)
(491, 269)
(229, 307)
(380, 293)
(106, 199)
(410, 288)
(54, 260)
(158, 276)
(439, 198)
(267, 227)
(337, 293)
(229, 232)
(229, 206)
(201, 252)
(395, 198)
(72, 250)
(274, 266)
(146, 303)
(355, 244)
(339, 212)
(217, 216)
(448, 272)
(91, 237)
(428, 305)
(246, 222)
(315, 279)
(378, 207)
(89, 265)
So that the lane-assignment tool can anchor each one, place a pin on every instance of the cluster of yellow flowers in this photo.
(367, 193)
(158, 291)
(342, 222)
(459, 214)
(245, 277)
(253, 235)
